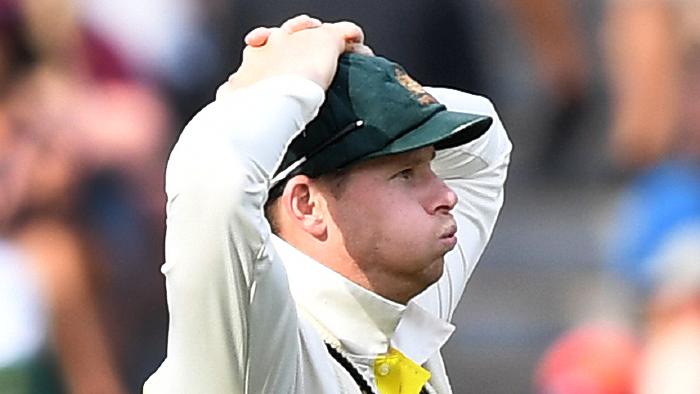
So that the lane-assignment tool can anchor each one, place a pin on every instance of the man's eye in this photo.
(405, 174)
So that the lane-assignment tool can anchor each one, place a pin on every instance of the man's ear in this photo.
(305, 206)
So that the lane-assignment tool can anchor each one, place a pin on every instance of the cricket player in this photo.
(324, 215)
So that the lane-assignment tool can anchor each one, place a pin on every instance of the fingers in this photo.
(302, 46)
(354, 37)
(362, 49)
(258, 36)
(300, 22)
(350, 31)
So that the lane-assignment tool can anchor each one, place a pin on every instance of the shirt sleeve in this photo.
(233, 325)
(476, 172)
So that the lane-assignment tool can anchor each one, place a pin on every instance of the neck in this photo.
(397, 287)
(391, 285)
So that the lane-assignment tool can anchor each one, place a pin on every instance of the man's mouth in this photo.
(449, 236)
(449, 232)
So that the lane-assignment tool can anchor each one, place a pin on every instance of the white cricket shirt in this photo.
(248, 312)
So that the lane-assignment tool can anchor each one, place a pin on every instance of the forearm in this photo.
(218, 174)
(476, 172)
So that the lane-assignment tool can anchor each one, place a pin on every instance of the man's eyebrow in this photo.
(416, 158)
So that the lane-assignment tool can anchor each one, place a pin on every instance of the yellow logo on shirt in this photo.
(398, 374)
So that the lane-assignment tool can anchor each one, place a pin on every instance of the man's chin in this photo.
(434, 271)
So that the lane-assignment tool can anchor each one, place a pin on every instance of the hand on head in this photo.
(302, 46)
(258, 36)
(354, 36)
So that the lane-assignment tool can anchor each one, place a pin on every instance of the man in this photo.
(352, 287)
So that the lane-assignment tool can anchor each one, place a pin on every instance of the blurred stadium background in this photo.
(597, 251)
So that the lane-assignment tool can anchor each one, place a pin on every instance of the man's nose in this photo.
(445, 198)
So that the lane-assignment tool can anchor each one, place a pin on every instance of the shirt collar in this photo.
(364, 322)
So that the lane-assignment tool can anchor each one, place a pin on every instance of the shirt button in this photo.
(384, 369)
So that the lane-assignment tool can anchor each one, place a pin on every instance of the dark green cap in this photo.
(373, 108)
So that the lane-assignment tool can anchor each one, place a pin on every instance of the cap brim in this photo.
(446, 129)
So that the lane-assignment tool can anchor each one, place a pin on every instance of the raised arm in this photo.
(233, 325)
(477, 173)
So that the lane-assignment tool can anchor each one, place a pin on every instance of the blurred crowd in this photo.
(93, 94)
(88, 108)
(651, 53)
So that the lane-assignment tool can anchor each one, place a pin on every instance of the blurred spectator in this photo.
(652, 208)
(552, 32)
(653, 52)
(175, 44)
(671, 360)
(82, 152)
(653, 47)
(50, 260)
(593, 359)
(658, 253)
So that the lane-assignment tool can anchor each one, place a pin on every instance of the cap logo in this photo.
(417, 91)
